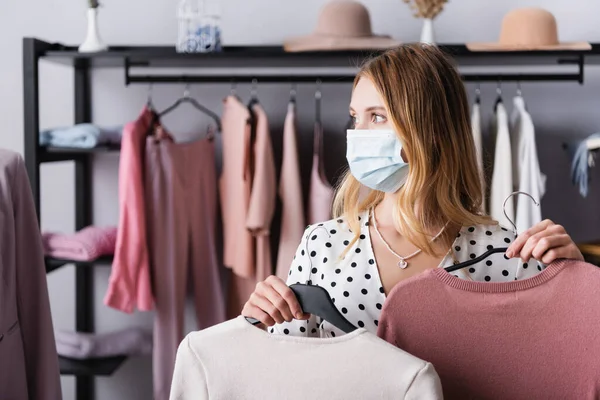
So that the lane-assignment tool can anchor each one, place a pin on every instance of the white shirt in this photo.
(354, 282)
(502, 177)
(527, 176)
(237, 361)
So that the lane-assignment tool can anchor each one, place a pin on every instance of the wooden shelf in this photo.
(55, 263)
(91, 367)
(253, 56)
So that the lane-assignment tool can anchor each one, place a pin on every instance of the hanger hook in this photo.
(253, 90)
(519, 88)
(308, 282)
(506, 200)
(186, 91)
(233, 87)
(293, 91)
(478, 89)
(318, 91)
(149, 100)
(499, 87)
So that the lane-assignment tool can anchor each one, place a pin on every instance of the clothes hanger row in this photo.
(498, 92)
(254, 90)
(494, 250)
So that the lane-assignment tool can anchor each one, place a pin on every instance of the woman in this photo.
(410, 201)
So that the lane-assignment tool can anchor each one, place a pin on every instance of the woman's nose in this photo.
(361, 124)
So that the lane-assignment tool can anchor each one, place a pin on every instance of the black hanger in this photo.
(253, 93)
(499, 95)
(250, 106)
(318, 102)
(482, 257)
(315, 300)
(186, 98)
(293, 94)
(493, 250)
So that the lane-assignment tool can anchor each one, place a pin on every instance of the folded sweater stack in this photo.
(85, 245)
(127, 342)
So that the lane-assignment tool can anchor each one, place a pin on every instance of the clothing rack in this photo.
(242, 59)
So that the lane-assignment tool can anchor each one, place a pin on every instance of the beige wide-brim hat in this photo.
(342, 25)
(527, 29)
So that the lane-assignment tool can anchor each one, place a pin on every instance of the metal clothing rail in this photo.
(577, 77)
(349, 77)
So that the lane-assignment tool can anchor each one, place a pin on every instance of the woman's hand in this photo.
(545, 242)
(273, 302)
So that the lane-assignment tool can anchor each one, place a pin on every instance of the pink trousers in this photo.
(181, 198)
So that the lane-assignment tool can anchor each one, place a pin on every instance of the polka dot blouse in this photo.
(354, 283)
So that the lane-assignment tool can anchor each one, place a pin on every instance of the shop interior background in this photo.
(561, 111)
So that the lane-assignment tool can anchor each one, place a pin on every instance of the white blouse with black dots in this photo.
(354, 283)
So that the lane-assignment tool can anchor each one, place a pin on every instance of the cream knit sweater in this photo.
(235, 360)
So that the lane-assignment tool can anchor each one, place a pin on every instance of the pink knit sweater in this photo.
(537, 338)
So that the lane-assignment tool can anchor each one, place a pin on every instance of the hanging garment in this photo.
(527, 176)
(290, 192)
(235, 186)
(87, 244)
(354, 281)
(236, 360)
(581, 161)
(263, 196)
(129, 284)
(260, 212)
(502, 185)
(529, 339)
(28, 358)
(82, 345)
(181, 198)
(476, 131)
(320, 193)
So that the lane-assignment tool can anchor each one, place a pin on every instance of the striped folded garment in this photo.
(85, 245)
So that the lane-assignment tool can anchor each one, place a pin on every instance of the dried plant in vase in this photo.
(93, 42)
(428, 10)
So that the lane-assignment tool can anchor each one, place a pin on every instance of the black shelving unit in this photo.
(242, 60)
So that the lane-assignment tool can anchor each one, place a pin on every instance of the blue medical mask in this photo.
(374, 159)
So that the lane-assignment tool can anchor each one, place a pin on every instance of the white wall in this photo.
(560, 111)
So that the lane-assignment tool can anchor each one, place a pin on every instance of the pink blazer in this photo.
(129, 284)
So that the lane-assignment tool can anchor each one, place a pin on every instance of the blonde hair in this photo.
(427, 104)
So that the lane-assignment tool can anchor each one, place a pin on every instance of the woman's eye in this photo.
(379, 119)
(353, 121)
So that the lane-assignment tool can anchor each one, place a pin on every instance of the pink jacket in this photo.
(28, 360)
(129, 284)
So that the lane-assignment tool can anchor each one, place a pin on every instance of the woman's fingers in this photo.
(264, 304)
(519, 243)
(255, 312)
(288, 296)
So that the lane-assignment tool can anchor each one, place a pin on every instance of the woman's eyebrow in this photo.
(372, 108)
